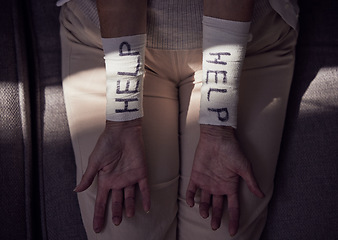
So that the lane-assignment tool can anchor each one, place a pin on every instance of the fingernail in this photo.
(75, 189)
(232, 233)
(97, 228)
(116, 221)
(215, 227)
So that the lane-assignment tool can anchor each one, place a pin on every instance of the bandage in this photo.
(124, 60)
(224, 47)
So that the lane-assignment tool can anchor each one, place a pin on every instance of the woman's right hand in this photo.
(118, 160)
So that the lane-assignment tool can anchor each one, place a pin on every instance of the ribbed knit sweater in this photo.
(177, 24)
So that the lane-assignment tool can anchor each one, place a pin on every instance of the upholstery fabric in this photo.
(304, 205)
(60, 215)
(15, 136)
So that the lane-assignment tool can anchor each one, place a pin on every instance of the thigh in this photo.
(263, 95)
(84, 92)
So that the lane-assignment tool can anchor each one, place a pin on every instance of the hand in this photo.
(218, 165)
(119, 163)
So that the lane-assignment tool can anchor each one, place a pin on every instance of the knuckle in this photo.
(204, 205)
(100, 208)
(130, 198)
(117, 205)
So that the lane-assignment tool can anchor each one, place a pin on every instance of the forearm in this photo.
(122, 17)
(226, 25)
(235, 10)
(123, 31)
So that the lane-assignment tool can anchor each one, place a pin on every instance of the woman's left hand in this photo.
(218, 165)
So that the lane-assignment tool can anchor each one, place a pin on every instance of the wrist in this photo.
(135, 123)
(217, 130)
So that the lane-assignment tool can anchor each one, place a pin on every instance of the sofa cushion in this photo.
(304, 205)
(60, 214)
(15, 137)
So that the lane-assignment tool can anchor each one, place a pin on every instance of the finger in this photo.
(117, 198)
(190, 194)
(233, 209)
(88, 177)
(100, 209)
(217, 211)
(145, 193)
(248, 176)
(204, 204)
(129, 200)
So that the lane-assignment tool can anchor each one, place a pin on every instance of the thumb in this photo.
(251, 182)
(88, 177)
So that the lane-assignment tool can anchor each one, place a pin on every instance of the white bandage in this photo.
(124, 58)
(224, 47)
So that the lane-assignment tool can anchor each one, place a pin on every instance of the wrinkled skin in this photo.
(218, 165)
(119, 163)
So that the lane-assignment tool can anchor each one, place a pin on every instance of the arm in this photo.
(219, 161)
(119, 168)
(130, 14)
(234, 10)
(226, 25)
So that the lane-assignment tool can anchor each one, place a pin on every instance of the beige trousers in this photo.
(171, 130)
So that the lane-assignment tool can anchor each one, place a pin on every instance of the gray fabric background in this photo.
(304, 205)
(60, 216)
(15, 135)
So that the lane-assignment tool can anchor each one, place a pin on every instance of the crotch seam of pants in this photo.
(159, 186)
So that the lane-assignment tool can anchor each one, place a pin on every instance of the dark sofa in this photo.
(36, 158)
